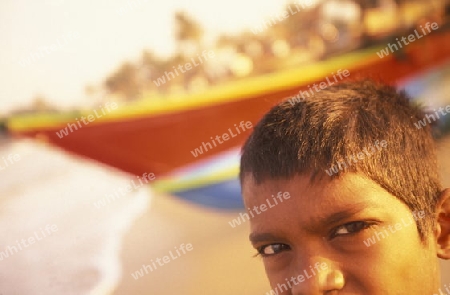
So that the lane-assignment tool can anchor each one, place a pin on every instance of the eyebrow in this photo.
(341, 215)
(316, 222)
(262, 237)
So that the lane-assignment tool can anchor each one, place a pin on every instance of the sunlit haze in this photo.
(91, 39)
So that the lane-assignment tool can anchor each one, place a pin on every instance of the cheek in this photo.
(395, 264)
(279, 263)
(275, 276)
(280, 267)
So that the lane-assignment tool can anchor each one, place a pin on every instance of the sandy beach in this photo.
(54, 239)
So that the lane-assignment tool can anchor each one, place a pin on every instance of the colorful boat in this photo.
(160, 136)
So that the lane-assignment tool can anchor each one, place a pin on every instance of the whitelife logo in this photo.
(301, 94)
(226, 136)
(411, 38)
(9, 160)
(398, 226)
(334, 169)
(122, 191)
(423, 123)
(279, 17)
(91, 118)
(36, 237)
(47, 50)
(183, 68)
(146, 269)
(243, 217)
(299, 279)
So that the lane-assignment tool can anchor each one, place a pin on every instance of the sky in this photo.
(55, 48)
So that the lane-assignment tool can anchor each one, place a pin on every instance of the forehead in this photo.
(311, 202)
(331, 188)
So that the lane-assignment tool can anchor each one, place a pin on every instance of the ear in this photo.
(443, 225)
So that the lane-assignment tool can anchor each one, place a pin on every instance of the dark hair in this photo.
(339, 122)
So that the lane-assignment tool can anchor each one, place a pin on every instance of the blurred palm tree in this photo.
(188, 34)
(41, 104)
(124, 82)
(152, 67)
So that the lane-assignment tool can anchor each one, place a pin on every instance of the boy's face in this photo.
(341, 236)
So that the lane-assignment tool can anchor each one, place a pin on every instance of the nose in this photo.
(320, 277)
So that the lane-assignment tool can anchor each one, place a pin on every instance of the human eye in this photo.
(351, 228)
(272, 249)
